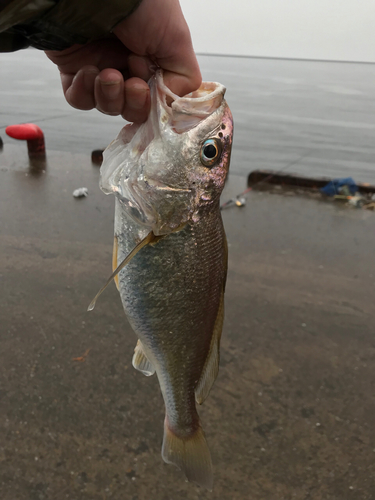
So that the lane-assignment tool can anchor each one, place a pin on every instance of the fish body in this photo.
(167, 176)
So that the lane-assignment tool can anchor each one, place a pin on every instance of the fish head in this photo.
(171, 169)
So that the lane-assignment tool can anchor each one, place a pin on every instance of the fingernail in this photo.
(137, 97)
(111, 90)
(89, 78)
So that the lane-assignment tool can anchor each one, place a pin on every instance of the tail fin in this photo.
(190, 454)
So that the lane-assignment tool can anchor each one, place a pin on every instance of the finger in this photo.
(141, 67)
(66, 81)
(109, 92)
(137, 100)
(181, 84)
(104, 53)
(79, 89)
(181, 69)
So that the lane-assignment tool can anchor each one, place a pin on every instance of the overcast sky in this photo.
(312, 29)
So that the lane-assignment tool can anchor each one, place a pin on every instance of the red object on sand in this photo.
(32, 134)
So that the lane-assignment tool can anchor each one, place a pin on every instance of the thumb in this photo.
(166, 40)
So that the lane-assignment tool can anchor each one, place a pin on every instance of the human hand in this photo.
(111, 74)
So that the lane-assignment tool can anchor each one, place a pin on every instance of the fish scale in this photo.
(179, 274)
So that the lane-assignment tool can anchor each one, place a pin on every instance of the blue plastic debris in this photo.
(334, 186)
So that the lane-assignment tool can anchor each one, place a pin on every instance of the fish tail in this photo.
(190, 454)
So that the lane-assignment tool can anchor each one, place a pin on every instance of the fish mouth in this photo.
(184, 113)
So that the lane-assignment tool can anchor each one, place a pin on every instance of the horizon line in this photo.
(243, 56)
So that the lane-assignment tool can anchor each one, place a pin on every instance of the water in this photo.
(314, 118)
(318, 116)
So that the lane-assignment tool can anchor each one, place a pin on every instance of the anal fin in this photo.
(211, 367)
(140, 361)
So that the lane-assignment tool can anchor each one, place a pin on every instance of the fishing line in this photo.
(235, 200)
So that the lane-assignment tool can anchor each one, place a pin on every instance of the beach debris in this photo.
(82, 358)
(97, 156)
(344, 186)
(261, 178)
(238, 201)
(80, 192)
(357, 201)
(346, 190)
(32, 134)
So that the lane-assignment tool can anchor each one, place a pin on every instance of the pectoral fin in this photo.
(147, 240)
(140, 361)
(211, 367)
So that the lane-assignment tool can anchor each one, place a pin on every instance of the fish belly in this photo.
(171, 294)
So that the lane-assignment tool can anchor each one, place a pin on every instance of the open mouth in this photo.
(186, 112)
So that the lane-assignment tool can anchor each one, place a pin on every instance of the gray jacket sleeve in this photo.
(58, 24)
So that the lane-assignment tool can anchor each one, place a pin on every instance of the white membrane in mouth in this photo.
(186, 112)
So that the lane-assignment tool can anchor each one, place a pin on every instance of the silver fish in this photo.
(170, 253)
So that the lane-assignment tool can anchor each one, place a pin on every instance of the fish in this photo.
(170, 253)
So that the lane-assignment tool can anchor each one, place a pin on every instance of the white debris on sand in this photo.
(80, 192)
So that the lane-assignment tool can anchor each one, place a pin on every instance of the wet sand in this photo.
(291, 415)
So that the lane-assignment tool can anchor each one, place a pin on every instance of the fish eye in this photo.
(210, 152)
